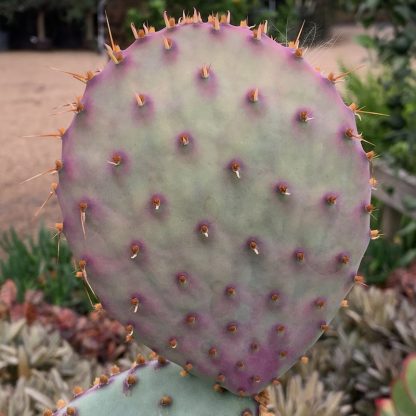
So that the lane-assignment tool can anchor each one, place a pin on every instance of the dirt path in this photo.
(29, 92)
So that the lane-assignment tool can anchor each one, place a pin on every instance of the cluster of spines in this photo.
(131, 379)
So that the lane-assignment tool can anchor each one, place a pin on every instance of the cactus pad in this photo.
(216, 195)
(156, 389)
(403, 392)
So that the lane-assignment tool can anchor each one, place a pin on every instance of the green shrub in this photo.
(35, 265)
(393, 89)
(384, 256)
(394, 136)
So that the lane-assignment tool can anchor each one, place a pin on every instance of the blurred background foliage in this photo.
(391, 87)
(33, 264)
(72, 19)
(284, 16)
(72, 9)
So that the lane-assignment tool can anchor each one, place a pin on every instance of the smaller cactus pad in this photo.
(403, 393)
(156, 388)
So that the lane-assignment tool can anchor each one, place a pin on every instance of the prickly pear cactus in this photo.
(403, 393)
(152, 388)
(216, 195)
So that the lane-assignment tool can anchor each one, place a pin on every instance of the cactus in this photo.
(216, 194)
(155, 388)
(403, 392)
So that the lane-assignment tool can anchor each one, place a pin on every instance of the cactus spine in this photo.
(155, 388)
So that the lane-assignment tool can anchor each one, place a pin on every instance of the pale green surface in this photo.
(191, 396)
(403, 404)
(409, 376)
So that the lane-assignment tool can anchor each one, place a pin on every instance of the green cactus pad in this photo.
(409, 376)
(402, 402)
(153, 389)
(216, 194)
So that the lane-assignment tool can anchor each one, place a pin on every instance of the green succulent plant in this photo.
(38, 367)
(363, 353)
(305, 398)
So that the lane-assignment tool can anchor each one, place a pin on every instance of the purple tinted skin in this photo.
(107, 268)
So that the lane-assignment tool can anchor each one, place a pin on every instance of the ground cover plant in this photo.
(344, 374)
(37, 264)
